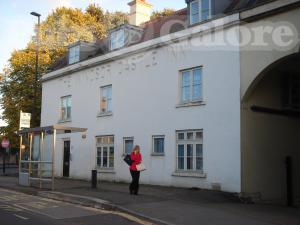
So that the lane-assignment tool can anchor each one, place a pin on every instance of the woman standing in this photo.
(136, 159)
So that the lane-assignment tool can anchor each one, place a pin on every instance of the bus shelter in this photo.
(37, 154)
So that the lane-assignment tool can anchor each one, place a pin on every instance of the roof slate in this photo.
(163, 26)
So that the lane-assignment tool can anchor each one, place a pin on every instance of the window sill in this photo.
(190, 104)
(106, 114)
(102, 170)
(158, 154)
(65, 121)
(189, 174)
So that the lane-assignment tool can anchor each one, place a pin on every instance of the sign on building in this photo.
(25, 120)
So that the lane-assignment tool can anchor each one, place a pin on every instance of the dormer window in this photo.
(199, 10)
(117, 39)
(74, 54)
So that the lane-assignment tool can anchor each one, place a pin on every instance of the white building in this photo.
(205, 105)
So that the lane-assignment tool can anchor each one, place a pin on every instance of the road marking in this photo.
(132, 218)
(21, 217)
(10, 208)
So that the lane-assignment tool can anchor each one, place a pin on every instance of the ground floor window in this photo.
(128, 145)
(105, 152)
(158, 145)
(189, 144)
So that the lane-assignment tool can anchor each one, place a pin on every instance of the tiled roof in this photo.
(163, 26)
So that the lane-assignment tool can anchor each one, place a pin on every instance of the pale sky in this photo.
(17, 25)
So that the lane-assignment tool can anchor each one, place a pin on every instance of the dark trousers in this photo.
(134, 185)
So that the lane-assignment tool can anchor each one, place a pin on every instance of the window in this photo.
(74, 54)
(190, 150)
(291, 92)
(158, 145)
(105, 152)
(117, 39)
(66, 105)
(106, 99)
(191, 85)
(200, 10)
(128, 145)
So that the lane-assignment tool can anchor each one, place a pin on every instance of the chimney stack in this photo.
(140, 12)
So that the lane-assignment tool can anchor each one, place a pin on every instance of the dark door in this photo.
(66, 170)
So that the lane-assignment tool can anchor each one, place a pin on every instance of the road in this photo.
(21, 209)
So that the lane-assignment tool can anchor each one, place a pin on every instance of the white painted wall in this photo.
(145, 94)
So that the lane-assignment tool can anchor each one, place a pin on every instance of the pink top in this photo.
(136, 159)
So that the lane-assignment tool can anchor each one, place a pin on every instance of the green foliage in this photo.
(61, 28)
(162, 13)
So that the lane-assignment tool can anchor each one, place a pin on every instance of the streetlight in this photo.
(34, 112)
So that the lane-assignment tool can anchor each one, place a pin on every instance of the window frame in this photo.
(124, 147)
(62, 118)
(154, 153)
(106, 111)
(107, 145)
(191, 86)
(194, 142)
(74, 54)
(200, 19)
(114, 45)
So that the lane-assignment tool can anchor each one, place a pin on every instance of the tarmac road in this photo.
(21, 209)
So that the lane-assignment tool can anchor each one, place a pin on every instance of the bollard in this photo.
(289, 181)
(94, 178)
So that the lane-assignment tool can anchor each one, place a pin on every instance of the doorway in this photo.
(66, 165)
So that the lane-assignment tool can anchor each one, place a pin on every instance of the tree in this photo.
(162, 13)
(61, 28)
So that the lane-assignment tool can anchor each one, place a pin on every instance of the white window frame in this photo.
(153, 145)
(117, 39)
(199, 11)
(191, 85)
(185, 142)
(104, 108)
(64, 108)
(74, 54)
(127, 139)
(108, 145)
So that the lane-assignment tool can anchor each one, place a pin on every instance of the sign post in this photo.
(25, 120)
(5, 145)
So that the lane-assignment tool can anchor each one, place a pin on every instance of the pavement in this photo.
(165, 205)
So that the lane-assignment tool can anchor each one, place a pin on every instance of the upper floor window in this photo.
(106, 99)
(191, 85)
(117, 39)
(200, 10)
(74, 54)
(66, 105)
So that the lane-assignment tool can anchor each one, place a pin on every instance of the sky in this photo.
(17, 25)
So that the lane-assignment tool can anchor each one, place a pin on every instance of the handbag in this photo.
(140, 167)
(128, 160)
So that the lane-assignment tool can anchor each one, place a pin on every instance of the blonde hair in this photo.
(136, 148)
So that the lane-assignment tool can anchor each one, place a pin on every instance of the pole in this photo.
(3, 165)
(30, 157)
(34, 112)
(289, 181)
(20, 155)
(53, 156)
(41, 166)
